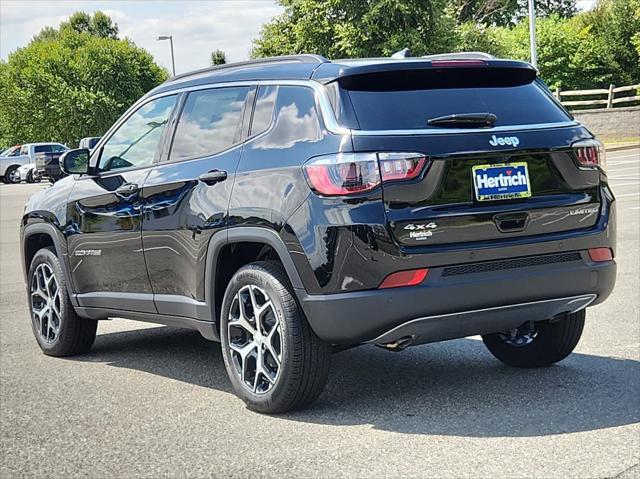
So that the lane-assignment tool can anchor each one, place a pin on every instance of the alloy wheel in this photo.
(255, 339)
(45, 303)
(14, 176)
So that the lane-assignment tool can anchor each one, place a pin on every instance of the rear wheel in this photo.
(273, 358)
(542, 345)
(31, 178)
(57, 328)
(12, 175)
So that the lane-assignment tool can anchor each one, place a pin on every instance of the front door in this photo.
(186, 196)
(105, 218)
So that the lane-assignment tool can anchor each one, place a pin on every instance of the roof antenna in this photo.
(404, 53)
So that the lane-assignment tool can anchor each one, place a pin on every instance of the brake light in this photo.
(344, 174)
(599, 255)
(458, 63)
(404, 278)
(590, 154)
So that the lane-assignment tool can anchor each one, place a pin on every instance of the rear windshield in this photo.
(409, 104)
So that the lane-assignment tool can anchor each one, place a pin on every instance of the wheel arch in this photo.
(41, 235)
(251, 244)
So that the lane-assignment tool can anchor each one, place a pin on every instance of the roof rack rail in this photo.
(460, 56)
(301, 58)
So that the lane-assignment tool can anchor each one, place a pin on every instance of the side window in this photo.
(24, 150)
(135, 142)
(42, 149)
(263, 112)
(210, 122)
(57, 148)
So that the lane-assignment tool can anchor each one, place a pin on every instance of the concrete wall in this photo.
(612, 122)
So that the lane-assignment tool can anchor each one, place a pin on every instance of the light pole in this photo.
(532, 33)
(173, 62)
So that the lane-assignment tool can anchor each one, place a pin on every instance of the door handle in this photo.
(127, 189)
(213, 177)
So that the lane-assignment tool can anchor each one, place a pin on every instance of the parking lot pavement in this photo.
(154, 401)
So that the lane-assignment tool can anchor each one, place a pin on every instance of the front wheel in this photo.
(273, 358)
(542, 345)
(57, 328)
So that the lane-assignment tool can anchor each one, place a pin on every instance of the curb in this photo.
(622, 147)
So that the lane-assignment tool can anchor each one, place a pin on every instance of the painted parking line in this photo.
(624, 195)
(628, 155)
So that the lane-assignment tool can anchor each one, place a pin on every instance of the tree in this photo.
(72, 84)
(569, 54)
(617, 22)
(508, 12)
(218, 57)
(356, 28)
(99, 25)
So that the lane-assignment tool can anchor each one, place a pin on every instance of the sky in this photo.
(198, 27)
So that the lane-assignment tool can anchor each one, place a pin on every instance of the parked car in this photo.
(29, 173)
(294, 206)
(47, 164)
(89, 143)
(10, 161)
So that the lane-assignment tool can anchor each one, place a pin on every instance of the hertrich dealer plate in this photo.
(501, 181)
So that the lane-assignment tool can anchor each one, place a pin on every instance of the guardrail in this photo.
(610, 101)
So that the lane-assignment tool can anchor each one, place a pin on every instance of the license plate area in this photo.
(504, 181)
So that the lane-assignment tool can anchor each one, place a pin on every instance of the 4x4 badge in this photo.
(413, 227)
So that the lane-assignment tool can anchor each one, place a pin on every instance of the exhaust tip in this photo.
(398, 345)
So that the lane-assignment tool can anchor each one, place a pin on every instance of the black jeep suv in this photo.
(295, 206)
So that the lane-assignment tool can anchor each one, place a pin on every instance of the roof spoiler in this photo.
(435, 62)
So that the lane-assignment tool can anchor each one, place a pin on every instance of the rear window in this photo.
(42, 149)
(410, 99)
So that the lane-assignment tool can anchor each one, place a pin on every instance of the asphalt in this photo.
(151, 401)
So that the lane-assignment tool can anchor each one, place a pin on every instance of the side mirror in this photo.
(75, 162)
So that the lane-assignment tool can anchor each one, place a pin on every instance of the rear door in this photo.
(186, 196)
(514, 177)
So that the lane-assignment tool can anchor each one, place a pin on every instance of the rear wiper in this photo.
(464, 120)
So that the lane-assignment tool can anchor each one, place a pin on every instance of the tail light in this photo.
(343, 174)
(590, 154)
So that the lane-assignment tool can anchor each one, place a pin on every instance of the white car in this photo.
(10, 160)
(29, 173)
(23, 155)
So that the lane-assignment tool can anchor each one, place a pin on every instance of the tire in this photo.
(551, 342)
(74, 335)
(12, 175)
(304, 359)
(31, 178)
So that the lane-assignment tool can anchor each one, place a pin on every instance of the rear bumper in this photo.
(48, 170)
(451, 301)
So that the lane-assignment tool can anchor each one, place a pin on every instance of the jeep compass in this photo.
(293, 207)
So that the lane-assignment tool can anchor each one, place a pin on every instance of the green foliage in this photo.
(570, 56)
(617, 23)
(99, 25)
(355, 28)
(218, 57)
(585, 50)
(507, 12)
(71, 83)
